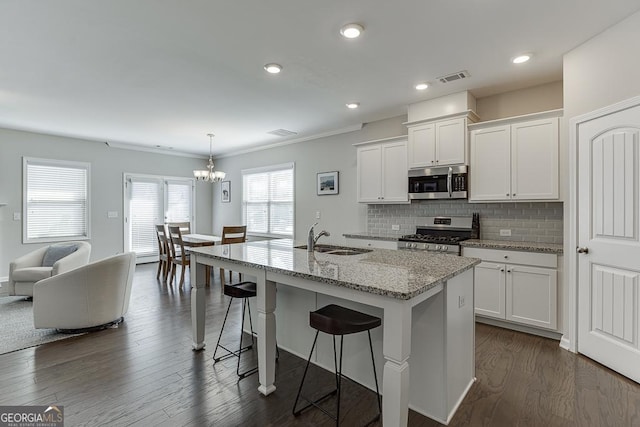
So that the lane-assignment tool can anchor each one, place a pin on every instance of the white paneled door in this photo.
(608, 265)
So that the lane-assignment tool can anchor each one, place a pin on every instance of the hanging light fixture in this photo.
(209, 175)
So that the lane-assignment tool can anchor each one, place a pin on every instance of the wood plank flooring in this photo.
(145, 374)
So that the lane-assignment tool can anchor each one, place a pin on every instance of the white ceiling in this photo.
(167, 72)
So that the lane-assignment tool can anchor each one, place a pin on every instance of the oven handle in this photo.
(449, 176)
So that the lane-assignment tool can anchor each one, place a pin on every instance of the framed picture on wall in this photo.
(327, 183)
(225, 190)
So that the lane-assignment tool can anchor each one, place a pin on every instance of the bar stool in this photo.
(243, 290)
(336, 320)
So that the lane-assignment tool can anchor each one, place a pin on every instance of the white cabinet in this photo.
(370, 243)
(514, 161)
(519, 287)
(437, 143)
(382, 172)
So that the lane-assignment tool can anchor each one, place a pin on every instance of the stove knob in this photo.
(436, 248)
(412, 245)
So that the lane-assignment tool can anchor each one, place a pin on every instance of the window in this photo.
(55, 200)
(151, 200)
(267, 200)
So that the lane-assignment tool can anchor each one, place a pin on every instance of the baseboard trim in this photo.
(520, 328)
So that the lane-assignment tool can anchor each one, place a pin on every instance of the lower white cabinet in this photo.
(520, 287)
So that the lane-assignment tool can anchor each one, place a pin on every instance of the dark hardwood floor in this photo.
(144, 373)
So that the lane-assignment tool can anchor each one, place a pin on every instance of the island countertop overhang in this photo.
(400, 274)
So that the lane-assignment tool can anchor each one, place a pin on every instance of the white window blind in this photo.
(178, 201)
(268, 200)
(145, 206)
(56, 200)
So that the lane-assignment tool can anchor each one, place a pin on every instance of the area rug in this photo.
(16, 326)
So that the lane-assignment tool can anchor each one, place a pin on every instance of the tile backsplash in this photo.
(528, 222)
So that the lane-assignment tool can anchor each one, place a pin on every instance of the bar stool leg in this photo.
(220, 336)
(306, 368)
(375, 378)
(339, 382)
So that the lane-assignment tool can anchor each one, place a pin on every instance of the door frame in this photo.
(164, 179)
(569, 339)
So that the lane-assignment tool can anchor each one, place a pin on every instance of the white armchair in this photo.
(90, 296)
(28, 269)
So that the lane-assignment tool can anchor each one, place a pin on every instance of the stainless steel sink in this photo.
(336, 250)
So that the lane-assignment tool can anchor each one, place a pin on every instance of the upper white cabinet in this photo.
(514, 161)
(437, 143)
(382, 171)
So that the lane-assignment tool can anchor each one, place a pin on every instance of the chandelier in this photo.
(209, 175)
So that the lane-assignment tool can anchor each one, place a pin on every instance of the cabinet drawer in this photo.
(373, 243)
(513, 257)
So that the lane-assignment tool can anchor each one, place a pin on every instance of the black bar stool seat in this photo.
(338, 321)
(241, 290)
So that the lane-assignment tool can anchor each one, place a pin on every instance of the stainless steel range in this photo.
(442, 234)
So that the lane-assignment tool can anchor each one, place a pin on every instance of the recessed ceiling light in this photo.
(352, 105)
(351, 31)
(273, 68)
(421, 86)
(520, 59)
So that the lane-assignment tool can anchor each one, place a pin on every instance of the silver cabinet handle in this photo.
(582, 250)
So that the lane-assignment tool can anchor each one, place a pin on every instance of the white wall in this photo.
(519, 102)
(107, 168)
(339, 213)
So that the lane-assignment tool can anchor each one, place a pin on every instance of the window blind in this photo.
(178, 201)
(145, 214)
(268, 200)
(56, 200)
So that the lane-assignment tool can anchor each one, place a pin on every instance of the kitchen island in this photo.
(425, 300)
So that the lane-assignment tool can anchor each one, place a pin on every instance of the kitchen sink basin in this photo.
(336, 250)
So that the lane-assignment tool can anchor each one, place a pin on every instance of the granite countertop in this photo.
(370, 236)
(401, 274)
(552, 248)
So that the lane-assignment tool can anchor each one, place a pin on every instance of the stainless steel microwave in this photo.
(445, 182)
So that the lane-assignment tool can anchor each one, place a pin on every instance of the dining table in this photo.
(195, 240)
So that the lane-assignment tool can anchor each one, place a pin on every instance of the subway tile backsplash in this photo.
(528, 222)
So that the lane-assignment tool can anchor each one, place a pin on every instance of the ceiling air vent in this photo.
(453, 77)
(282, 132)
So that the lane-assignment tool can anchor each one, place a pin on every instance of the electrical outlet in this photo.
(112, 214)
(16, 216)
(317, 214)
(395, 227)
(505, 232)
(461, 301)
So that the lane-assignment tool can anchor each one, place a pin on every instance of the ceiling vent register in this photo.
(453, 77)
(282, 132)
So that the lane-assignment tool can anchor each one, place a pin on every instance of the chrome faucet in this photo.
(312, 238)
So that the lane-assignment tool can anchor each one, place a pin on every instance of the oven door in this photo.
(438, 183)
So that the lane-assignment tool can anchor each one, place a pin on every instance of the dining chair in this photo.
(177, 253)
(185, 227)
(164, 258)
(232, 234)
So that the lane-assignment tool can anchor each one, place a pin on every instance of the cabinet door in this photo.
(395, 182)
(489, 289)
(532, 296)
(422, 146)
(450, 142)
(369, 173)
(534, 160)
(490, 164)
